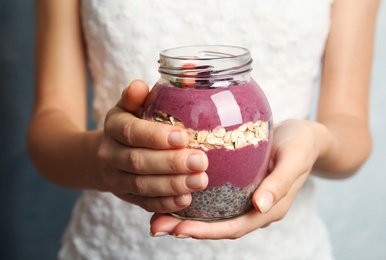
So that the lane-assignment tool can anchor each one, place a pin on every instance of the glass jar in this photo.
(208, 91)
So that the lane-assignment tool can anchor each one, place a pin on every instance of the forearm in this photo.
(58, 143)
(343, 107)
(62, 152)
(344, 145)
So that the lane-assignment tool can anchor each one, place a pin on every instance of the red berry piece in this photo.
(189, 82)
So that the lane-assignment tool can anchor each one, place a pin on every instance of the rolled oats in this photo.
(250, 133)
(243, 128)
(201, 136)
(250, 125)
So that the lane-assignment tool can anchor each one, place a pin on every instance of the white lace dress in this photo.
(124, 38)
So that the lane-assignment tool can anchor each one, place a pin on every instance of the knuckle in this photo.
(127, 132)
(236, 233)
(136, 161)
(137, 129)
(166, 205)
(153, 137)
(139, 186)
(156, 133)
(176, 186)
(109, 122)
(102, 156)
(172, 161)
(162, 205)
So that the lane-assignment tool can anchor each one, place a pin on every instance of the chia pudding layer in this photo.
(235, 170)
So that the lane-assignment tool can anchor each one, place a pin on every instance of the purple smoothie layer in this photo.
(197, 110)
(241, 167)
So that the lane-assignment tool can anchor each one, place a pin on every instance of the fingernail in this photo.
(265, 201)
(159, 234)
(181, 200)
(196, 162)
(176, 139)
(195, 181)
(182, 236)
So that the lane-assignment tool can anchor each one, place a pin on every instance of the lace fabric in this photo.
(124, 38)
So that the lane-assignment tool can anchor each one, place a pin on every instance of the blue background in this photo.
(34, 212)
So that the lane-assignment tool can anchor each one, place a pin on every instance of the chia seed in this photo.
(218, 203)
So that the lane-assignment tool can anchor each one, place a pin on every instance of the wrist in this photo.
(345, 144)
(325, 142)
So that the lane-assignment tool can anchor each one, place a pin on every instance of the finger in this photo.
(148, 161)
(161, 185)
(229, 229)
(132, 131)
(163, 224)
(129, 130)
(134, 96)
(158, 204)
(289, 166)
(232, 228)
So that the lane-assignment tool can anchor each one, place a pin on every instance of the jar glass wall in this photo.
(208, 91)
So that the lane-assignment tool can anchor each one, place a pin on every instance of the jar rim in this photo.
(205, 65)
(205, 52)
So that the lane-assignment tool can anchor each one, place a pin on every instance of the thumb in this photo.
(134, 96)
(277, 185)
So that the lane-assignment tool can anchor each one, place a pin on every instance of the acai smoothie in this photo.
(237, 151)
(229, 118)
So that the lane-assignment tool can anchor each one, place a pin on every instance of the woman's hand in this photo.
(145, 163)
(294, 152)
